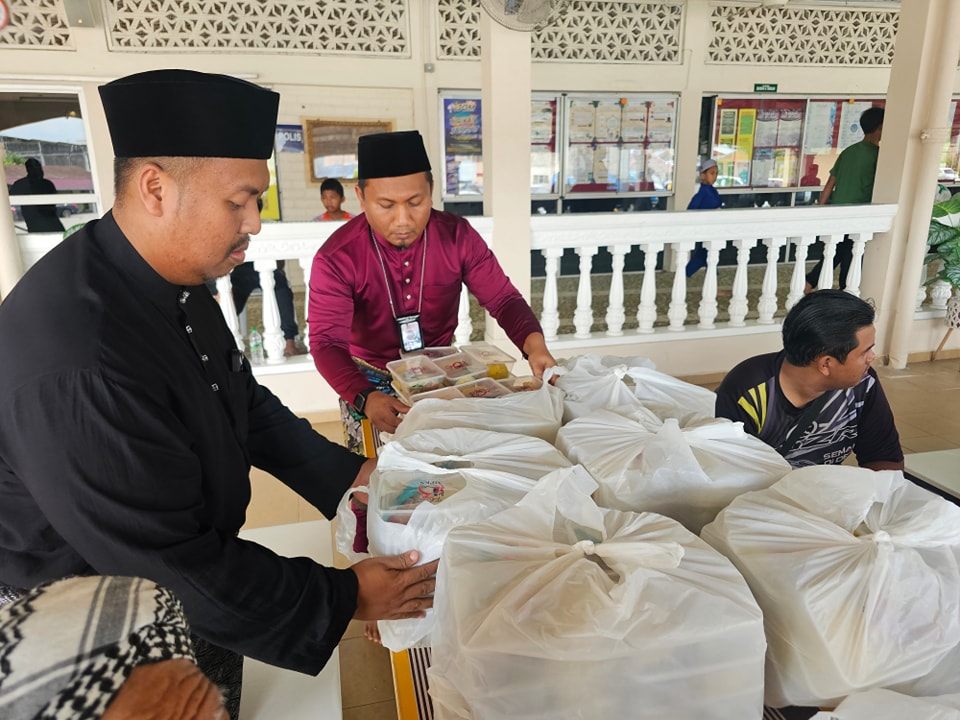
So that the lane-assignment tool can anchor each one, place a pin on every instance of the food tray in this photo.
(484, 388)
(416, 374)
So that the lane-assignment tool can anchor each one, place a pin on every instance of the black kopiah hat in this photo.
(182, 113)
(391, 155)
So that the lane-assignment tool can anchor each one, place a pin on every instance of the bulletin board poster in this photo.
(633, 122)
(582, 121)
(543, 122)
(462, 128)
(661, 121)
(767, 139)
(607, 121)
(619, 144)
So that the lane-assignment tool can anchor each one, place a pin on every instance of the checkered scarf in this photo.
(68, 646)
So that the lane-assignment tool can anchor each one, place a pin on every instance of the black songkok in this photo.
(392, 154)
(182, 113)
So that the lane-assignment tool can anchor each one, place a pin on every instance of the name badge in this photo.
(411, 337)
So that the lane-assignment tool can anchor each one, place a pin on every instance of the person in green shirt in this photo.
(851, 183)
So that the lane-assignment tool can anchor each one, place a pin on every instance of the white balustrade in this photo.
(738, 294)
(464, 322)
(621, 234)
(615, 314)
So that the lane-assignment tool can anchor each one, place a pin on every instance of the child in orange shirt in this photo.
(331, 195)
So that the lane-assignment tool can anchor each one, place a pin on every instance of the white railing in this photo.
(677, 234)
(655, 233)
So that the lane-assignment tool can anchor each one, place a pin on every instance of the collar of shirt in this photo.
(148, 282)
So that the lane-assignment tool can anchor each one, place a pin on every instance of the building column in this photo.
(506, 90)
(11, 264)
(914, 131)
(696, 38)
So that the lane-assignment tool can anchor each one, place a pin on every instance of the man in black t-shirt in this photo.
(817, 400)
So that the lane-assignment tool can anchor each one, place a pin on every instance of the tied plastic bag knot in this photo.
(587, 547)
(883, 541)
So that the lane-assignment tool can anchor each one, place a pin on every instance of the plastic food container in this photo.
(416, 374)
(406, 490)
(483, 388)
(461, 368)
(431, 352)
(445, 393)
(524, 383)
(499, 364)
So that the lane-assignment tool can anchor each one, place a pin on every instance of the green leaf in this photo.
(947, 207)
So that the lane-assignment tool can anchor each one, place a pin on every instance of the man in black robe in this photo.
(39, 218)
(128, 418)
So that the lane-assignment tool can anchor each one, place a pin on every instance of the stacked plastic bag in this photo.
(888, 705)
(626, 385)
(645, 464)
(537, 413)
(858, 575)
(557, 608)
(432, 482)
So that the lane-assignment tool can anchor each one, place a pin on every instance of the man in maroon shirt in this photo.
(397, 271)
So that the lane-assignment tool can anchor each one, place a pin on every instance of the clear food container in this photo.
(499, 364)
(404, 491)
(483, 388)
(461, 368)
(416, 374)
(431, 352)
(524, 383)
(444, 393)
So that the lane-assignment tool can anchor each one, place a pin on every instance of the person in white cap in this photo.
(706, 198)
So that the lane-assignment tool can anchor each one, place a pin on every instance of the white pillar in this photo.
(914, 130)
(11, 264)
(696, 39)
(506, 84)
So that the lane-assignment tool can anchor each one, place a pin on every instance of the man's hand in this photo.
(167, 690)
(538, 357)
(383, 409)
(390, 588)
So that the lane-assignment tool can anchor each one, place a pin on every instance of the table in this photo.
(271, 693)
(939, 468)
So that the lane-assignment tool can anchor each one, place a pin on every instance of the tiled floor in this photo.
(926, 403)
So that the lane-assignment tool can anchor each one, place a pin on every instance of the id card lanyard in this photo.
(411, 336)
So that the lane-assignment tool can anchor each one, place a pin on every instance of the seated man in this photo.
(818, 399)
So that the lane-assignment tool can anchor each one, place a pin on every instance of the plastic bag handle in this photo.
(347, 525)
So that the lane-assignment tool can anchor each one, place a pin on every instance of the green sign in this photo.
(764, 87)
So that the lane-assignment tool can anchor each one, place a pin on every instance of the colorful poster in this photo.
(271, 198)
(582, 121)
(746, 123)
(463, 132)
(607, 123)
(633, 122)
(727, 135)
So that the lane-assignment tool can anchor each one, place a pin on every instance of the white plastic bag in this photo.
(644, 464)
(590, 383)
(536, 413)
(857, 574)
(668, 397)
(454, 448)
(426, 525)
(557, 608)
(889, 705)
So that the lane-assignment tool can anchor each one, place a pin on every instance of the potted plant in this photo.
(943, 240)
